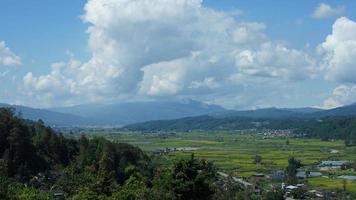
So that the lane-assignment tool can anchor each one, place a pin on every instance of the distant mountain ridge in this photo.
(269, 113)
(305, 110)
(117, 115)
(49, 117)
(348, 110)
(246, 119)
(131, 112)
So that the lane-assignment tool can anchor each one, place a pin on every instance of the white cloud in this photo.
(249, 33)
(275, 60)
(208, 82)
(342, 95)
(155, 48)
(163, 78)
(7, 57)
(339, 52)
(338, 62)
(325, 10)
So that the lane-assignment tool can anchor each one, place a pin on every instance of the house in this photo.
(259, 175)
(333, 164)
(294, 187)
(291, 187)
(304, 175)
(59, 195)
(161, 151)
(237, 180)
(278, 175)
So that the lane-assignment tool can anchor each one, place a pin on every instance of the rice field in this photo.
(233, 152)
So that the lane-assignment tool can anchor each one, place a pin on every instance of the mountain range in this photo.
(274, 118)
(269, 113)
(117, 115)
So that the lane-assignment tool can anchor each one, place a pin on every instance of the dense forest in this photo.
(39, 163)
(218, 123)
(331, 128)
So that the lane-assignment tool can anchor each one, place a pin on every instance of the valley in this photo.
(233, 153)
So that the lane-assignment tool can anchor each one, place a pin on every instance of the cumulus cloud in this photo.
(7, 57)
(325, 10)
(160, 48)
(339, 52)
(342, 95)
(275, 60)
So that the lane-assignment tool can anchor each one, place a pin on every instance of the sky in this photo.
(237, 54)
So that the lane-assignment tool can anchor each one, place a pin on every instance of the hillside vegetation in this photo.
(325, 127)
(39, 163)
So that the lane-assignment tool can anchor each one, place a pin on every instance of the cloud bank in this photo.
(162, 49)
(339, 62)
(339, 51)
(342, 95)
(159, 49)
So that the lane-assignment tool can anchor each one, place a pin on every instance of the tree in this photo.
(161, 185)
(307, 174)
(193, 179)
(3, 168)
(93, 168)
(10, 190)
(17, 150)
(133, 189)
(257, 159)
(87, 194)
(298, 193)
(291, 170)
(274, 194)
(228, 189)
(344, 184)
(4, 188)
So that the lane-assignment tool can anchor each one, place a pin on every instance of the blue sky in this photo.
(281, 17)
(42, 32)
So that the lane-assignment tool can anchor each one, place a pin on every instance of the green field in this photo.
(233, 152)
(332, 184)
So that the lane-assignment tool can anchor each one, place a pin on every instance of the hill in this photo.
(208, 123)
(348, 110)
(273, 118)
(269, 113)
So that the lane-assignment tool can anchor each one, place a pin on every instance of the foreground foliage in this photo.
(36, 163)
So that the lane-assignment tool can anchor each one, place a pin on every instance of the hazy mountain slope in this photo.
(259, 113)
(208, 123)
(135, 112)
(232, 120)
(268, 113)
(306, 110)
(125, 113)
(349, 110)
(49, 117)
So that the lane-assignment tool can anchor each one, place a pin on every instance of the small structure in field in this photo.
(303, 175)
(278, 175)
(333, 164)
